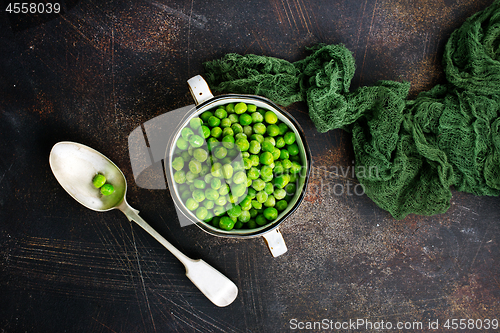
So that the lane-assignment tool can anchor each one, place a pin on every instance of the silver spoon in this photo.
(74, 165)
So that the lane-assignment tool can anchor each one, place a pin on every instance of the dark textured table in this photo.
(102, 68)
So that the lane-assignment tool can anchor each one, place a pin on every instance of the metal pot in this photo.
(206, 101)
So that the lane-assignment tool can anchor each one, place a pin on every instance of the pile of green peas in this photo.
(236, 166)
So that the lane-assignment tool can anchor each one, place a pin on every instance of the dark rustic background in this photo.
(102, 68)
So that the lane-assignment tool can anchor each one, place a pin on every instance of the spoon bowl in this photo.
(74, 165)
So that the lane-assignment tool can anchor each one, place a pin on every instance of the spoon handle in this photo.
(212, 283)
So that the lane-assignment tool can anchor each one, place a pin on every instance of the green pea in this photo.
(230, 107)
(201, 213)
(251, 193)
(192, 204)
(211, 194)
(220, 152)
(270, 139)
(238, 189)
(227, 171)
(195, 166)
(225, 123)
(220, 113)
(200, 154)
(225, 222)
(237, 128)
(253, 173)
(281, 205)
(182, 144)
(245, 154)
(266, 173)
(217, 170)
(276, 153)
(258, 184)
(289, 138)
(208, 178)
(256, 204)
(240, 136)
(107, 189)
(240, 177)
(186, 133)
(270, 117)
(209, 204)
(245, 119)
(270, 213)
(206, 115)
(247, 163)
(269, 189)
(254, 147)
(296, 167)
(186, 195)
(224, 189)
(211, 143)
(244, 216)
(215, 183)
(273, 130)
(238, 225)
(281, 181)
(283, 128)
(257, 117)
(266, 158)
(270, 202)
(221, 200)
(267, 146)
(215, 221)
(287, 164)
(205, 131)
(213, 121)
(216, 132)
(209, 217)
(243, 144)
(235, 211)
(246, 204)
(257, 137)
(259, 128)
(260, 220)
(253, 212)
(248, 130)
(180, 177)
(261, 196)
(219, 210)
(190, 177)
(290, 189)
(255, 160)
(293, 149)
(198, 195)
(284, 154)
(200, 184)
(278, 168)
(251, 224)
(99, 180)
(228, 131)
(195, 123)
(280, 142)
(233, 117)
(295, 158)
(279, 193)
(196, 141)
(251, 108)
(185, 155)
(240, 108)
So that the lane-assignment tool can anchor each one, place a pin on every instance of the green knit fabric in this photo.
(415, 149)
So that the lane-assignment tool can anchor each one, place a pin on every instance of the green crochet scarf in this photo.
(447, 136)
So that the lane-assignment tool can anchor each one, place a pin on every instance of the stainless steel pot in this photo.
(205, 101)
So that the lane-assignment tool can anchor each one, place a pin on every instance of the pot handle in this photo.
(199, 89)
(275, 242)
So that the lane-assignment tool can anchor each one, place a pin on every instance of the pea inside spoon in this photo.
(74, 165)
